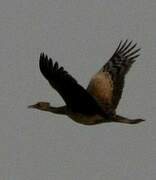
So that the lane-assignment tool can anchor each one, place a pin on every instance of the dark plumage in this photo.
(75, 96)
(98, 102)
(118, 65)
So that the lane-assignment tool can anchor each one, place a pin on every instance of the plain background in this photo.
(81, 35)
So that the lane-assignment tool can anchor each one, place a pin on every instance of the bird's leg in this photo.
(122, 119)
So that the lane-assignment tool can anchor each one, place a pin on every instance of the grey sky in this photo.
(81, 35)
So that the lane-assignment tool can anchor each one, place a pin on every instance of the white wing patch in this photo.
(101, 88)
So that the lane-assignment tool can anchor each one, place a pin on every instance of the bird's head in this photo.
(44, 106)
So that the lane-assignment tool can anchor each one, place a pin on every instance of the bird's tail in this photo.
(125, 120)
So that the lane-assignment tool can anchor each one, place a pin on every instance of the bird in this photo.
(97, 103)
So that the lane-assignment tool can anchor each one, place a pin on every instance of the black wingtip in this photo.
(127, 48)
(42, 55)
(49, 68)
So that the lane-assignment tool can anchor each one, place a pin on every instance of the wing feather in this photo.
(75, 96)
(107, 85)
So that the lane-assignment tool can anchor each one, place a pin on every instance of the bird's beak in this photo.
(31, 106)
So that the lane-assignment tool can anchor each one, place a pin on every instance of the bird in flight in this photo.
(98, 102)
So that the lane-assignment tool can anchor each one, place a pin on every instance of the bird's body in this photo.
(97, 103)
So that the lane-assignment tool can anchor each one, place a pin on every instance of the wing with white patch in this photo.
(106, 86)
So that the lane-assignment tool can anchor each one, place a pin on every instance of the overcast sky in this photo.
(81, 35)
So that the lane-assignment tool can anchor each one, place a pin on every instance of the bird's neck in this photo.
(57, 110)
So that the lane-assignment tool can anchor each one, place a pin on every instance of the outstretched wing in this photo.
(75, 96)
(107, 85)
